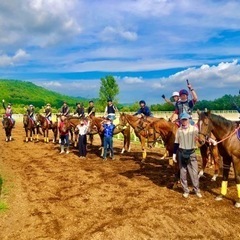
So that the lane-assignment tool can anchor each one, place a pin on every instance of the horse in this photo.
(226, 133)
(96, 127)
(167, 131)
(8, 126)
(136, 123)
(29, 126)
(46, 125)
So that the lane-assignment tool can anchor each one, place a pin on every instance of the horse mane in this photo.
(222, 120)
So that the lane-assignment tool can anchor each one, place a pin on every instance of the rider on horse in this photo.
(65, 109)
(31, 113)
(48, 113)
(143, 109)
(79, 110)
(91, 109)
(8, 111)
(184, 104)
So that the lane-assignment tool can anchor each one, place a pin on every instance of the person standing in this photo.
(82, 128)
(64, 134)
(108, 129)
(185, 144)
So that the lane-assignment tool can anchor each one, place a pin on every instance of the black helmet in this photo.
(109, 100)
(142, 102)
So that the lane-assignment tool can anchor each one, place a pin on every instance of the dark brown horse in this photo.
(136, 123)
(30, 128)
(228, 144)
(167, 131)
(8, 126)
(46, 126)
(96, 127)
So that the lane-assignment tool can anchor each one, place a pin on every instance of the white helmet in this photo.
(175, 94)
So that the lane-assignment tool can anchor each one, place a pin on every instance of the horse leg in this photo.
(47, 139)
(236, 166)
(216, 158)
(26, 131)
(144, 153)
(75, 140)
(226, 169)
(203, 151)
(6, 133)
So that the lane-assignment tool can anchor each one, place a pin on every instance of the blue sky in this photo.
(150, 46)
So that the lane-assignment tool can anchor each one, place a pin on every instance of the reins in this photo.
(214, 142)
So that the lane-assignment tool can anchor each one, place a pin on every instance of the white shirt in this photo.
(83, 129)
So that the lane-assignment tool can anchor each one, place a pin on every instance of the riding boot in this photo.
(62, 149)
(67, 150)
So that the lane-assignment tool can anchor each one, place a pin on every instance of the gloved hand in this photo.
(163, 96)
(3, 100)
(174, 158)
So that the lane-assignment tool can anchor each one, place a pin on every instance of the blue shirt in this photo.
(108, 130)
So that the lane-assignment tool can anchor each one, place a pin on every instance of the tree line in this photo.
(21, 94)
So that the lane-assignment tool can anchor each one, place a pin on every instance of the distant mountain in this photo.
(25, 93)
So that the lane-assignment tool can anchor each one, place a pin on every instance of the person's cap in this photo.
(9, 104)
(184, 115)
(77, 103)
(175, 94)
(64, 102)
(109, 100)
(91, 101)
(30, 105)
(48, 104)
(183, 91)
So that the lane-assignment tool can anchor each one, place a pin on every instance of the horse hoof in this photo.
(237, 204)
(219, 198)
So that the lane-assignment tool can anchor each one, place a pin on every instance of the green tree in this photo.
(108, 89)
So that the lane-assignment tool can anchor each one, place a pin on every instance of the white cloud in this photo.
(110, 33)
(51, 84)
(19, 58)
(132, 80)
(225, 74)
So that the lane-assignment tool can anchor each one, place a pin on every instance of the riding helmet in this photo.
(109, 100)
(142, 102)
(183, 91)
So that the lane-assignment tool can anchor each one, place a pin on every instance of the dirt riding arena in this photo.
(53, 196)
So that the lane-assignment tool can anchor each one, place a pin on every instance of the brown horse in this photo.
(167, 131)
(136, 123)
(46, 125)
(30, 127)
(96, 127)
(228, 144)
(8, 126)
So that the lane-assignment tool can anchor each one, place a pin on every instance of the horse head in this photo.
(25, 120)
(204, 127)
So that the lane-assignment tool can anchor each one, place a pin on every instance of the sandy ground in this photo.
(53, 196)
